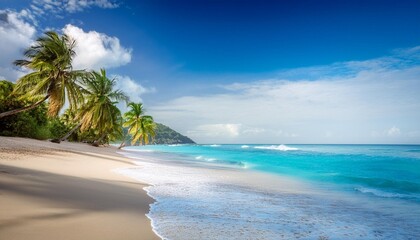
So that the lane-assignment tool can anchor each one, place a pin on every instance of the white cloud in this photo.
(16, 34)
(40, 7)
(394, 131)
(79, 5)
(352, 106)
(133, 89)
(96, 50)
(93, 50)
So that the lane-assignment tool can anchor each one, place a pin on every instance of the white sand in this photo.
(68, 191)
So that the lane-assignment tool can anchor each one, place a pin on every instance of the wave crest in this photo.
(138, 150)
(380, 193)
(281, 147)
(212, 145)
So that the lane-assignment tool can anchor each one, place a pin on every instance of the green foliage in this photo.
(50, 59)
(6, 88)
(141, 127)
(32, 123)
(88, 136)
(90, 95)
(166, 135)
(35, 123)
(42, 133)
(99, 111)
(58, 128)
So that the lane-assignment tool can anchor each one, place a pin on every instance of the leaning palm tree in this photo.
(52, 76)
(141, 127)
(99, 111)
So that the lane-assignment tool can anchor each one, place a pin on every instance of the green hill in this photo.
(166, 135)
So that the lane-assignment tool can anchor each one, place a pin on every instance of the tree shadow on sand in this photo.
(77, 194)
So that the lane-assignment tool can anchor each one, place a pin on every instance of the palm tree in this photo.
(53, 77)
(115, 131)
(99, 111)
(141, 127)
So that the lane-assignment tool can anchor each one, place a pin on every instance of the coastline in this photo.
(205, 199)
(69, 191)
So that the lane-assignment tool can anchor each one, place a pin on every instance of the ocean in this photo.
(281, 191)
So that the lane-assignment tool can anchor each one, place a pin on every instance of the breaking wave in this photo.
(281, 147)
(383, 194)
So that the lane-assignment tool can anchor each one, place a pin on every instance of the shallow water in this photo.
(281, 192)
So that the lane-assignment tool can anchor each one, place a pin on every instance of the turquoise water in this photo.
(281, 191)
(388, 171)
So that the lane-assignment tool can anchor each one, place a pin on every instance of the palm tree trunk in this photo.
(102, 137)
(123, 142)
(15, 111)
(96, 142)
(70, 133)
(122, 145)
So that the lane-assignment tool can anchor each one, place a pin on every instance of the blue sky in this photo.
(246, 71)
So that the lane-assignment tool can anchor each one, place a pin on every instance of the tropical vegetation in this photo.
(52, 76)
(32, 123)
(32, 106)
(141, 127)
(166, 135)
(99, 111)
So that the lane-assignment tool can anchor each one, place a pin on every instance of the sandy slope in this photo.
(68, 191)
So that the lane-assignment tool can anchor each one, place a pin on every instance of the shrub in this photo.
(32, 123)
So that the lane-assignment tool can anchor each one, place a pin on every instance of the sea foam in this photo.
(137, 149)
(205, 203)
(281, 147)
(380, 193)
(214, 145)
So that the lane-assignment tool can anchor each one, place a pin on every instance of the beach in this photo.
(69, 191)
(209, 120)
(76, 191)
(261, 191)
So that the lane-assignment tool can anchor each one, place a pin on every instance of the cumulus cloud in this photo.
(40, 7)
(130, 87)
(352, 106)
(96, 50)
(16, 34)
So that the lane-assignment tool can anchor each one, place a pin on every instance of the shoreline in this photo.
(177, 186)
(222, 202)
(69, 191)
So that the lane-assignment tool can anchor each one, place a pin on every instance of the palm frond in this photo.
(50, 60)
